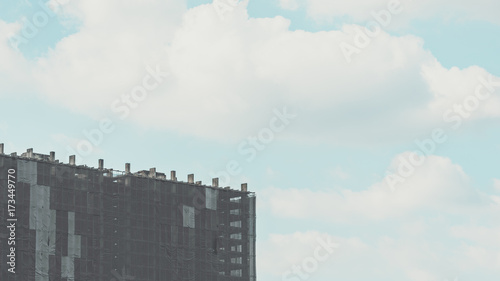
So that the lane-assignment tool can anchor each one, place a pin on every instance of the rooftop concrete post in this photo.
(30, 152)
(152, 173)
(101, 164)
(172, 176)
(191, 178)
(72, 160)
(127, 172)
(1, 148)
(215, 182)
(244, 187)
(198, 182)
(52, 157)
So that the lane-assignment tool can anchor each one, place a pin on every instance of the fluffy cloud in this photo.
(228, 73)
(246, 67)
(108, 56)
(281, 253)
(14, 69)
(438, 185)
(437, 255)
(434, 227)
(496, 184)
(362, 10)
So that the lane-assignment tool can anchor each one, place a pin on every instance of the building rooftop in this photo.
(151, 173)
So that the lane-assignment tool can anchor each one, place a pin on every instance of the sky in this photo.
(368, 129)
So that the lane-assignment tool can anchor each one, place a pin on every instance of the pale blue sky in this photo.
(230, 72)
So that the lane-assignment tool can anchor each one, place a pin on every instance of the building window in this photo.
(235, 199)
(237, 248)
(236, 236)
(236, 224)
(237, 260)
(236, 273)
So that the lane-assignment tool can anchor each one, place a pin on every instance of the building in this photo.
(69, 222)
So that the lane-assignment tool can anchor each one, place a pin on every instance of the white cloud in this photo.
(257, 64)
(436, 255)
(228, 74)
(281, 252)
(434, 227)
(14, 69)
(479, 235)
(438, 185)
(496, 184)
(361, 10)
(107, 57)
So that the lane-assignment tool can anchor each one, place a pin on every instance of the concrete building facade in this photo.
(69, 222)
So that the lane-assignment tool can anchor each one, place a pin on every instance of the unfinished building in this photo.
(81, 223)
